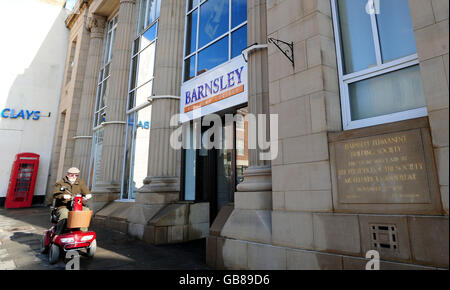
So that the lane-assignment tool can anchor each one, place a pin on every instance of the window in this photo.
(136, 152)
(216, 32)
(97, 145)
(101, 100)
(104, 74)
(149, 12)
(71, 63)
(137, 143)
(379, 75)
(142, 67)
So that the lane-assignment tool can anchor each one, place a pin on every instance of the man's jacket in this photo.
(79, 187)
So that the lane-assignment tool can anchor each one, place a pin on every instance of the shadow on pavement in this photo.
(115, 250)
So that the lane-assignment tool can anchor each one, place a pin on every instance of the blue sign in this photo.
(143, 125)
(8, 113)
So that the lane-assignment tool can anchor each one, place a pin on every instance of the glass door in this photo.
(137, 152)
(241, 146)
(225, 184)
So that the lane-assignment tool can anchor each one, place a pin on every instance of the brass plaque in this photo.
(382, 169)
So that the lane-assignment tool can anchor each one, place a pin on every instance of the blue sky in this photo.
(70, 4)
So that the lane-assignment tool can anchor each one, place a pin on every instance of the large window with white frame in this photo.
(216, 32)
(379, 75)
(101, 100)
(148, 13)
(104, 74)
(139, 109)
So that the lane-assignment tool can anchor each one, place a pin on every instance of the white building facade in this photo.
(33, 60)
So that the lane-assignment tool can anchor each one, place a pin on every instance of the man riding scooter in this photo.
(63, 200)
(68, 217)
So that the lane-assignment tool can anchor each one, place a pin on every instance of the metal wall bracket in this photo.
(289, 53)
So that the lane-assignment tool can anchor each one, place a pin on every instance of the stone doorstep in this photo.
(99, 221)
(220, 220)
(120, 225)
(173, 223)
(290, 258)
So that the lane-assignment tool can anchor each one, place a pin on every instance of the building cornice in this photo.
(77, 10)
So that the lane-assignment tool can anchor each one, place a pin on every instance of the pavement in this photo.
(20, 237)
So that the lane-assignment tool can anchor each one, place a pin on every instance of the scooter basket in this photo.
(79, 219)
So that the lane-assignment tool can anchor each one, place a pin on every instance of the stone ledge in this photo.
(256, 256)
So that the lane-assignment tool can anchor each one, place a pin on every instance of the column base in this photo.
(251, 219)
(161, 184)
(103, 194)
(157, 198)
(256, 178)
(159, 190)
(157, 224)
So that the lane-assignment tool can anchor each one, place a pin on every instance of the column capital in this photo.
(127, 1)
(96, 25)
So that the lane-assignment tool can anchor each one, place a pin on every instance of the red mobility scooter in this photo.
(72, 237)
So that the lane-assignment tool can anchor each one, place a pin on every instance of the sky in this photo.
(70, 4)
(22, 40)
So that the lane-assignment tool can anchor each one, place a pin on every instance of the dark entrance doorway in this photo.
(212, 175)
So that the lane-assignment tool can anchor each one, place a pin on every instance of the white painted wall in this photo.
(32, 60)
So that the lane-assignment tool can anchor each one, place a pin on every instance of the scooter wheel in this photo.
(53, 255)
(44, 249)
(91, 251)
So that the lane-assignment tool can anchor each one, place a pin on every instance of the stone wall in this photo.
(430, 22)
(307, 232)
(69, 105)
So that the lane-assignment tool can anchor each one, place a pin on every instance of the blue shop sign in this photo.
(8, 113)
(143, 125)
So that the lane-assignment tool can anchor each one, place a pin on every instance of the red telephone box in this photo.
(22, 181)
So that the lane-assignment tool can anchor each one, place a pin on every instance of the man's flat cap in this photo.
(73, 170)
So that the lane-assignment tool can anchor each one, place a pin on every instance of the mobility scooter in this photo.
(71, 239)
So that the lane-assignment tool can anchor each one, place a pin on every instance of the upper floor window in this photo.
(379, 75)
(104, 74)
(144, 53)
(216, 32)
(149, 12)
(71, 63)
(70, 4)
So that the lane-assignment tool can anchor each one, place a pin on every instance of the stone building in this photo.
(360, 91)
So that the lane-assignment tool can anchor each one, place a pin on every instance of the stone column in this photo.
(83, 139)
(155, 216)
(253, 200)
(114, 126)
(163, 183)
(258, 176)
